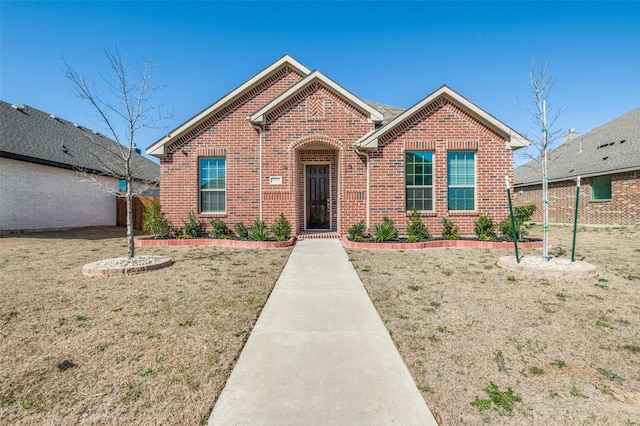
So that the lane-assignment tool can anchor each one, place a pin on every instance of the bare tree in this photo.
(123, 111)
(544, 115)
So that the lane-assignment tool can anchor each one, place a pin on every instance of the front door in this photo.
(318, 196)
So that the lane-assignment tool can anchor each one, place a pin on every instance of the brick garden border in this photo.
(346, 243)
(214, 242)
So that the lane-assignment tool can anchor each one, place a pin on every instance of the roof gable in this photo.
(514, 139)
(158, 149)
(28, 134)
(613, 147)
(261, 116)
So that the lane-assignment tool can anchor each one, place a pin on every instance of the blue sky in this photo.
(394, 53)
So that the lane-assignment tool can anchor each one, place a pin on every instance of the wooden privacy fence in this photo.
(140, 204)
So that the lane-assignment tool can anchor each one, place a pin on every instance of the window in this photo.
(601, 188)
(419, 180)
(212, 185)
(461, 178)
(122, 186)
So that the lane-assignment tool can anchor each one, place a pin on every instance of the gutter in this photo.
(366, 156)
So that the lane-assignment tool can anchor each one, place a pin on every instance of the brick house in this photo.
(291, 140)
(40, 187)
(608, 161)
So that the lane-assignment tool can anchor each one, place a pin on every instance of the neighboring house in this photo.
(41, 187)
(608, 161)
(290, 140)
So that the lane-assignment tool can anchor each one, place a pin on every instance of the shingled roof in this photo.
(28, 134)
(613, 147)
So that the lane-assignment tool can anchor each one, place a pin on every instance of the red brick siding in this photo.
(230, 135)
(622, 209)
(441, 127)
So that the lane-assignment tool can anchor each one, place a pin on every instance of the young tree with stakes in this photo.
(123, 110)
(541, 83)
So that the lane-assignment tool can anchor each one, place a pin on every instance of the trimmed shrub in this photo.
(356, 232)
(154, 223)
(193, 228)
(281, 229)
(416, 230)
(219, 229)
(241, 230)
(484, 229)
(449, 229)
(521, 215)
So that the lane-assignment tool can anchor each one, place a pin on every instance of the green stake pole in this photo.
(513, 222)
(575, 222)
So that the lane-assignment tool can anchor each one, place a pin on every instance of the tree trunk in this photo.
(130, 243)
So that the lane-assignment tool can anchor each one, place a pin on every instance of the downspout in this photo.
(366, 156)
(259, 129)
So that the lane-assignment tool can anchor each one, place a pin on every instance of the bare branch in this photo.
(123, 111)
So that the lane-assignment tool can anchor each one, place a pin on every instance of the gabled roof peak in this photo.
(259, 116)
(158, 148)
(514, 139)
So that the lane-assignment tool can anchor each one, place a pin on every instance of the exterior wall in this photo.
(34, 197)
(441, 127)
(622, 209)
(227, 134)
(319, 127)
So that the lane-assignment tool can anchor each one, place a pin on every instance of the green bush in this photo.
(521, 215)
(357, 231)
(259, 231)
(484, 228)
(384, 231)
(155, 223)
(241, 230)
(192, 228)
(416, 230)
(218, 229)
(449, 229)
(282, 228)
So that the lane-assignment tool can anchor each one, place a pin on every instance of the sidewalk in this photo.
(319, 354)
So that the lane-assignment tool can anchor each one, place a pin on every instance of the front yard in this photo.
(157, 348)
(469, 331)
(154, 348)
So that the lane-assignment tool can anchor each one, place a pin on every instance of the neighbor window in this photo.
(601, 188)
(212, 185)
(419, 180)
(461, 178)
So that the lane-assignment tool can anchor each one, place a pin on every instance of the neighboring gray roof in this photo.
(28, 134)
(388, 112)
(613, 147)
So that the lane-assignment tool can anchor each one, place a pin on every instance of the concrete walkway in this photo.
(319, 354)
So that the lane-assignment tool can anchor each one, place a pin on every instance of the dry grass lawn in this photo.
(154, 348)
(569, 350)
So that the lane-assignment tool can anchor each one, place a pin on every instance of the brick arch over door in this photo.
(325, 150)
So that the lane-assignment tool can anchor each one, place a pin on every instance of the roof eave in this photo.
(158, 148)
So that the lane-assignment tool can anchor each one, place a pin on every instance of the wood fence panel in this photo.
(140, 204)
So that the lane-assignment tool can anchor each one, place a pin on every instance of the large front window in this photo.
(212, 185)
(461, 173)
(419, 180)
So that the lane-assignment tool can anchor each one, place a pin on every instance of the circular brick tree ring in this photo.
(553, 268)
(125, 265)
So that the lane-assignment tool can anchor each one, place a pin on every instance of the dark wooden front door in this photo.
(318, 196)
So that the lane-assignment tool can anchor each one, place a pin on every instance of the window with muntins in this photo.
(419, 180)
(601, 188)
(461, 178)
(212, 185)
